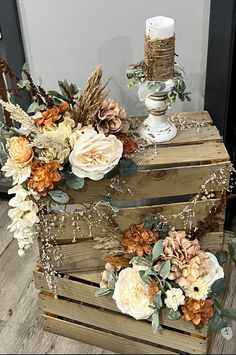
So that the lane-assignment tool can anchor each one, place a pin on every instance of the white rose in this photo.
(174, 298)
(132, 294)
(94, 154)
(216, 272)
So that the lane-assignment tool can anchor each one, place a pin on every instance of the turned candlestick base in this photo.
(156, 128)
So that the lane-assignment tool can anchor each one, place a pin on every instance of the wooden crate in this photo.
(169, 177)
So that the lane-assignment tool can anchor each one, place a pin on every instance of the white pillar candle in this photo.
(160, 27)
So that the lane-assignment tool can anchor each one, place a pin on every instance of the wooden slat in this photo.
(114, 322)
(86, 293)
(150, 184)
(99, 338)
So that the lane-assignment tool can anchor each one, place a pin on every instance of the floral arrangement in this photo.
(63, 139)
(163, 268)
(147, 87)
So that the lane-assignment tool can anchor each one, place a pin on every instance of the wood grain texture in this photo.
(5, 235)
(15, 276)
(97, 337)
(86, 293)
(120, 324)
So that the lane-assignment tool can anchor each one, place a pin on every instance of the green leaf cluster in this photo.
(154, 224)
(126, 168)
(71, 180)
(59, 196)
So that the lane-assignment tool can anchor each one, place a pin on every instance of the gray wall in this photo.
(68, 38)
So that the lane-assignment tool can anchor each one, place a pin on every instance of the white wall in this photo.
(68, 38)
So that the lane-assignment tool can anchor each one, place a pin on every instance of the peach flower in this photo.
(19, 151)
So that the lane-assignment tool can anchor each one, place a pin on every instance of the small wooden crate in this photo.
(169, 177)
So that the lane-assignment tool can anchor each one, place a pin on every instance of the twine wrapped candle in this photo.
(159, 49)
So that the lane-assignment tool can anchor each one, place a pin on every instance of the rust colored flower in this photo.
(129, 145)
(136, 239)
(43, 176)
(198, 311)
(19, 151)
(51, 115)
(153, 289)
(117, 261)
(112, 118)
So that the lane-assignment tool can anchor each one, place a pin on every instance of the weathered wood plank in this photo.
(86, 293)
(99, 338)
(150, 184)
(187, 117)
(5, 235)
(110, 321)
(13, 286)
(23, 332)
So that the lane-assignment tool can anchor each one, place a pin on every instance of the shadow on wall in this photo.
(115, 55)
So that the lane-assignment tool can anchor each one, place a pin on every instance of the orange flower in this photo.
(43, 176)
(51, 115)
(19, 151)
(129, 146)
(139, 240)
(153, 290)
(197, 311)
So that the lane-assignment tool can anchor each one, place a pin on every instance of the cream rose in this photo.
(215, 271)
(94, 154)
(132, 294)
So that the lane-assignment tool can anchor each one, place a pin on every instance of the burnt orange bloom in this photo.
(43, 176)
(136, 239)
(197, 311)
(129, 145)
(153, 290)
(51, 115)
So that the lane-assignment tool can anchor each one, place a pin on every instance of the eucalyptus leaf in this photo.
(155, 321)
(221, 256)
(139, 260)
(35, 107)
(112, 279)
(59, 196)
(75, 182)
(218, 286)
(56, 94)
(103, 292)
(165, 269)
(144, 277)
(227, 333)
(24, 84)
(112, 173)
(216, 323)
(144, 91)
(229, 313)
(128, 167)
(174, 315)
(157, 250)
(157, 301)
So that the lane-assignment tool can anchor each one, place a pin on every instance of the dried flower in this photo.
(105, 274)
(51, 115)
(136, 239)
(18, 174)
(154, 288)
(174, 298)
(197, 311)
(112, 118)
(19, 150)
(129, 145)
(198, 290)
(117, 261)
(43, 176)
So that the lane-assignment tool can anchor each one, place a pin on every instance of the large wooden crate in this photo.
(169, 177)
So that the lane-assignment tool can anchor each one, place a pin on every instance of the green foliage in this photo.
(112, 279)
(74, 182)
(155, 321)
(174, 315)
(127, 167)
(227, 333)
(217, 322)
(157, 250)
(154, 224)
(165, 269)
(221, 256)
(59, 196)
(35, 107)
(139, 260)
(144, 276)
(103, 292)
(157, 300)
(218, 287)
(229, 313)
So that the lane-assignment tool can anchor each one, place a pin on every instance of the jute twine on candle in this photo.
(159, 56)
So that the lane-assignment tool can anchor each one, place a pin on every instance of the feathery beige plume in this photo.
(91, 99)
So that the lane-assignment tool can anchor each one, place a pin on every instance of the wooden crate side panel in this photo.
(115, 322)
(127, 216)
(99, 338)
(86, 293)
(149, 185)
